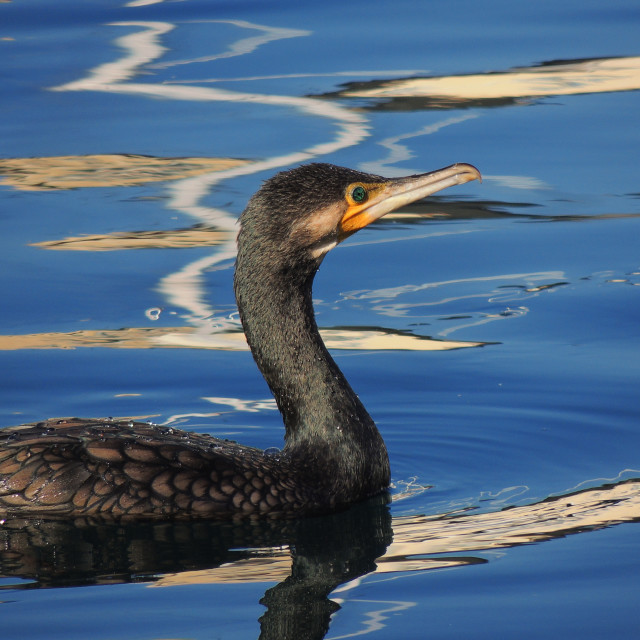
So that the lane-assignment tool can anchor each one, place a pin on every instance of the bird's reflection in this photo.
(343, 548)
(308, 558)
(323, 553)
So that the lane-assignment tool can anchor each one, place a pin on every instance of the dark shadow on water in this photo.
(324, 553)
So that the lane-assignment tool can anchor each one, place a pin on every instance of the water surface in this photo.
(492, 331)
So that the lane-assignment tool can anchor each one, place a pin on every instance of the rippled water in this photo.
(492, 331)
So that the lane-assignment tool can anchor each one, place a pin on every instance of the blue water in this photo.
(528, 283)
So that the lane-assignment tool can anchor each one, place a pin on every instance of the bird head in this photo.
(299, 215)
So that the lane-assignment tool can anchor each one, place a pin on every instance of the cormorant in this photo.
(333, 453)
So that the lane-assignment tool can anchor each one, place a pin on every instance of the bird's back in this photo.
(125, 468)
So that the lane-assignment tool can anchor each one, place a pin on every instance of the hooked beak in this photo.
(388, 196)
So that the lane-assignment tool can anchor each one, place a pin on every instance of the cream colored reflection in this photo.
(169, 239)
(222, 339)
(250, 406)
(417, 536)
(263, 35)
(109, 170)
(588, 76)
(398, 152)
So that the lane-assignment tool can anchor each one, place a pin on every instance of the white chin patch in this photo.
(320, 249)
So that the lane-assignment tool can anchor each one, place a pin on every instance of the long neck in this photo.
(319, 408)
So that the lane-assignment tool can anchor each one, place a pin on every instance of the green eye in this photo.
(359, 194)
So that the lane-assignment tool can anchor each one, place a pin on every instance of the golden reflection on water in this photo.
(196, 236)
(550, 79)
(441, 535)
(111, 170)
(223, 339)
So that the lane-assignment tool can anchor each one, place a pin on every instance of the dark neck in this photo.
(320, 410)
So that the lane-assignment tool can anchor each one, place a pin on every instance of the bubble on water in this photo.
(153, 313)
